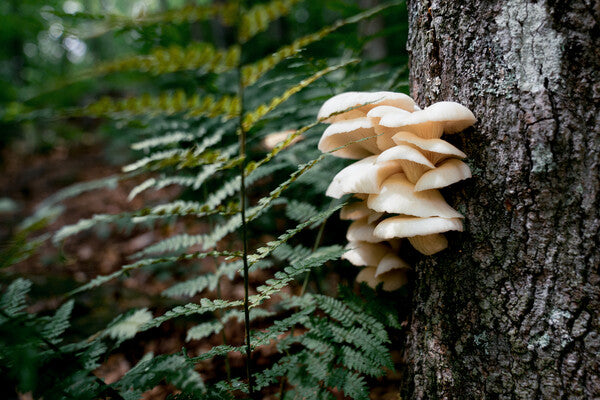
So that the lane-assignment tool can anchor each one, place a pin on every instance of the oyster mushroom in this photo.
(364, 176)
(435, 150)
(449, 172)
(397, 196)
(402, 226)
(384, 134)
(358, 104)
(413, 163)
(343, 133)
(433, 121)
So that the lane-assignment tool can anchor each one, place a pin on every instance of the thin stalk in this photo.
(242, 133)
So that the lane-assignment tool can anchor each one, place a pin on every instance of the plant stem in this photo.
(242, 139)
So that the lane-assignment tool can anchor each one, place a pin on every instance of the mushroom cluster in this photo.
(402, 162)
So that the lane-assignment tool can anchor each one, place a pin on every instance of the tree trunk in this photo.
(511, 310)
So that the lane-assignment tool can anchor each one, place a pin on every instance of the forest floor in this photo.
(29, 178)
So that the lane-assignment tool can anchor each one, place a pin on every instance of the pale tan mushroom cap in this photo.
(365, 254)
(429, 244)
(354, 211)
(389, 262)
(344, 132)
(392, 280)
(363, 101)
(385, 134)
(449, 172)
(364, 176)
(433, 121)
(434, 149)
(403, 152)
(407, 226)
(397, 195)
(362, 231)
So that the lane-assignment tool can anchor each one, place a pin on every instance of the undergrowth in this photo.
(208, 138)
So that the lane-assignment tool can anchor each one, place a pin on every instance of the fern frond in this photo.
(12, 301)
(269, 247)
(163, 140)
(101, 279)
(207, 281)
(251, 118)
(299, 211)
(58, 323)
(193, 182)
(258, 18)
(126, 326)
(205, 306)
(225, 12)
(167, 103)
(283, 278)
(150, 371)
(209, 328)
(202, 57)
(253, 72)
(199, 155)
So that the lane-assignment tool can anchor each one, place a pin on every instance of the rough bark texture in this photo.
(512, 309)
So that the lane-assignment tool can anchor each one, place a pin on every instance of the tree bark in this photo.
(511, 310)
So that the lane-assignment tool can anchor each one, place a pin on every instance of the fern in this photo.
(198, 115)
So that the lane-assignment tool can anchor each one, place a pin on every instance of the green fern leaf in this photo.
(126, 326)
(202, 57)
(258, 18)
(251, 73)
(13, 300)
(58, 323)
(251, 118)
(167, 103)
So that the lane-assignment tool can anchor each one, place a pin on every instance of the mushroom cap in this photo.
(438, 118)
(429, 244)
(449, 172)
(362, 231)
(354, 211)
(364, 254)
(434, 149)
(392, 280)
(343, 133)
(413, 163)
(407, 226)
(389, 262)
(403, 152)
(363, 101)
(385, 134)
(363, 176)
(397, 195)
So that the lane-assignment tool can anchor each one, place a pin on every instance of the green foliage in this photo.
(196, 111)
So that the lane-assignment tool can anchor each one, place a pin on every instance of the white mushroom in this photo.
(360, 103)
(365, 254)
(429, 244)
(392, 280)
(402, 226)
(384, 134)
(449, 172)
(354, 211)
(364, 176)
(435, 150)
(390, 262)
(397, 196)
(433, 121)
(362, 231)
(343, 133)
(414, 164)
